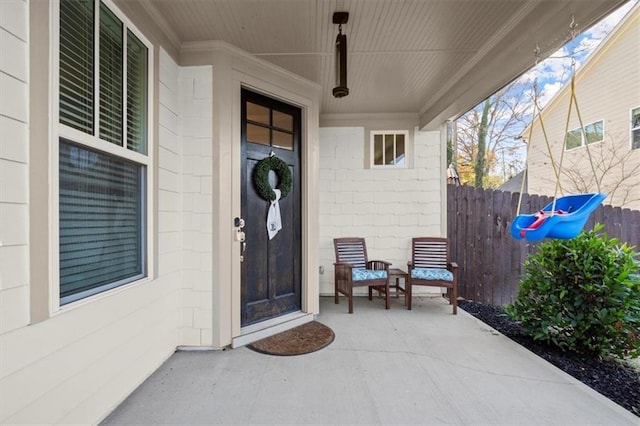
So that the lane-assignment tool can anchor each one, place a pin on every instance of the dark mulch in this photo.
(617, 382)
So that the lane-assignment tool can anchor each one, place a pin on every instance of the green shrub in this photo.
(582, 295)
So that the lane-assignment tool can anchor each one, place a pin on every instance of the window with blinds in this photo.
(101, 231)
(102, 194)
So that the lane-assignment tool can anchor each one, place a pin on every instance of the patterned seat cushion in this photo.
(367, 274)
(431, 274)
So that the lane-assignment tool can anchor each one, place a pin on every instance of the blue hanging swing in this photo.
(564, 221)
(564, 217)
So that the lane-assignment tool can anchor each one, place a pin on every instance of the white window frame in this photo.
(632, 128)
(372, 150)
(583, 142)
(60, 131)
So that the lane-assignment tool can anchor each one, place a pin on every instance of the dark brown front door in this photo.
(271, 269)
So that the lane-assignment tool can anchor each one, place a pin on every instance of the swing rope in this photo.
(584, 134)
(536, 111)
(573, 101)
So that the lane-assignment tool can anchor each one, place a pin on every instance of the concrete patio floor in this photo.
(424, 366)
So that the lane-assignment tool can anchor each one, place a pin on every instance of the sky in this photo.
(553, 72)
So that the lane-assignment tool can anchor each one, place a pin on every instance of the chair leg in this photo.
(350, 299)
(386, 296)
(335, 291)
(370, 293)
(408, 295)
(454, 299)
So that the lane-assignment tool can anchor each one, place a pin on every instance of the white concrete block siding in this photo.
(197, 205)
(385, 206)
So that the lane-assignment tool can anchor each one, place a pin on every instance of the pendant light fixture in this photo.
(341, 89)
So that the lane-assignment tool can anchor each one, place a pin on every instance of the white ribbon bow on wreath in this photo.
(274, 221)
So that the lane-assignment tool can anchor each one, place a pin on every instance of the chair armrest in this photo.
(453, 266)
(339, 265)
(410, 265)
(342, 271)
(378, 265)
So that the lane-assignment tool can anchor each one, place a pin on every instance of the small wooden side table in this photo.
(395, 274)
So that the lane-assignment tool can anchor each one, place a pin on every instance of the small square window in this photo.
(388, 148)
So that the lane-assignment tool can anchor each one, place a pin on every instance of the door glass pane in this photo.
(282, 120)
(257, 134)
(76, 64)
(378, 150)
(111, 48)
(258, 113)
(283, 140)
(389, 155)
(137, 88)
(399, 160)
(101, 233)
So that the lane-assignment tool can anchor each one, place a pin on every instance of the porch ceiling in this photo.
(435, 58)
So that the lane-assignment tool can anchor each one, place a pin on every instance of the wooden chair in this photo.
(353, 269)
(430, 266)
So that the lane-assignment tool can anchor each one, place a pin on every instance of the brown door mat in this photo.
(302, 339)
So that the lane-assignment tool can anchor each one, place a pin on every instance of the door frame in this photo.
(309, 160)
(271, 305)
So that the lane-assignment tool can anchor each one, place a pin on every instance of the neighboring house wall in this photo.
(607, 88)
(385, 206)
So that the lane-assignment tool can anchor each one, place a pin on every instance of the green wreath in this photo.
(261, 178)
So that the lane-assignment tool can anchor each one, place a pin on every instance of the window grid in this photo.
(268, 126)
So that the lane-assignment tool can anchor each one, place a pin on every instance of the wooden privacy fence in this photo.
(490, 260)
